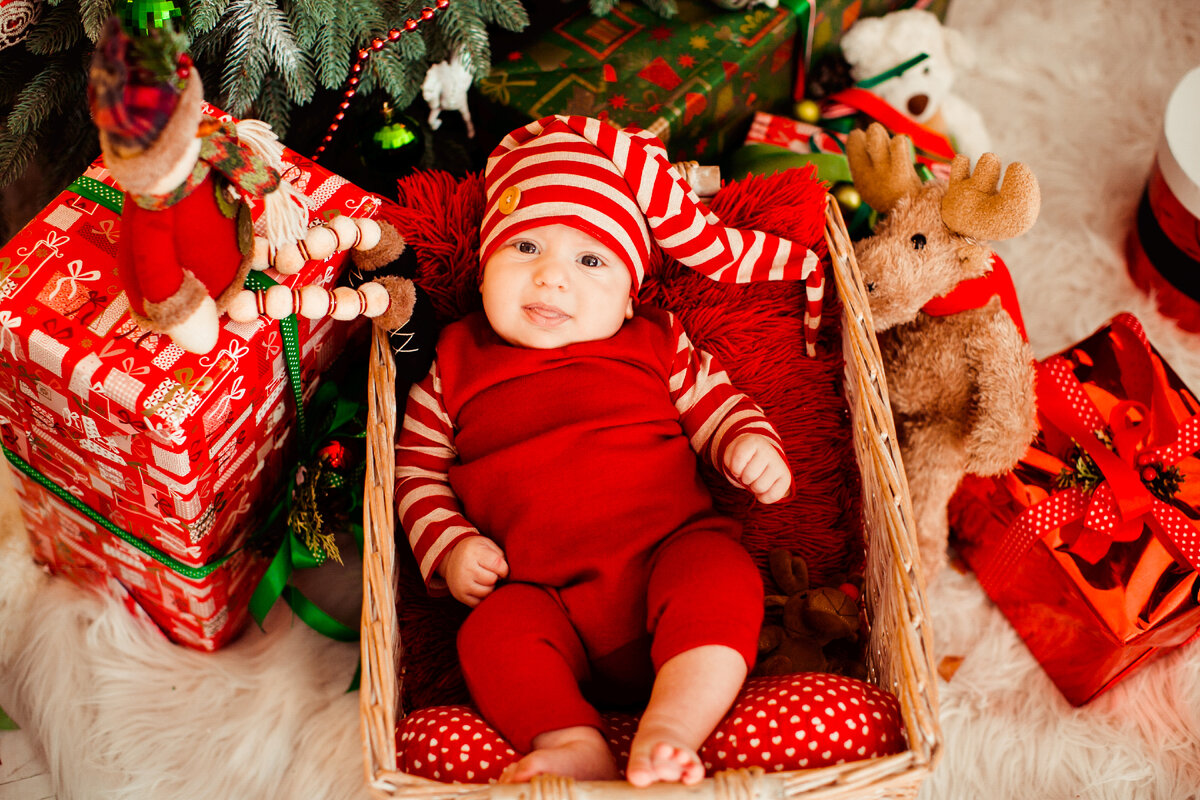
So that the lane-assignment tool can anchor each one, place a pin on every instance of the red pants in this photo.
(527, 663)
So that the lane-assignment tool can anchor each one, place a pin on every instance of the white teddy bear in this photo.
(874, 45)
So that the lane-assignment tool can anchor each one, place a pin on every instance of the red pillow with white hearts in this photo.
(785, 722)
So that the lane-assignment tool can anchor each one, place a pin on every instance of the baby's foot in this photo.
(658, 756)
(582, 755)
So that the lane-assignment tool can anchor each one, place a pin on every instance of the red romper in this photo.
(581, 463)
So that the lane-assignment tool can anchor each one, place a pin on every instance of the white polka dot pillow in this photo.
(784, 722)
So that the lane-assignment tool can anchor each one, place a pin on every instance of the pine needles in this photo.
(260, 58)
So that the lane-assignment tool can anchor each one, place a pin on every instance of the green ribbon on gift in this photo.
(194, 573)
(110, 197)
(336, 412)
(290, 334)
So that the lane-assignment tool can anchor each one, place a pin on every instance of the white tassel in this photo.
(285, 215)
(262, 141)
(285, 210)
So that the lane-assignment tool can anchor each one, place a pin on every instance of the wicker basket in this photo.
(899, 655)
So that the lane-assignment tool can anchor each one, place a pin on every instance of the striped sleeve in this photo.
(428, 509)
(712, 412)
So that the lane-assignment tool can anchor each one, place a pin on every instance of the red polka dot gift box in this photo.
(778, 723)
(1091, 545)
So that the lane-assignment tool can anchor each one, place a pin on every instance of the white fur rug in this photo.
(1077, 91)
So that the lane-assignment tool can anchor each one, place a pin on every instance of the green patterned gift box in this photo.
(693, 80)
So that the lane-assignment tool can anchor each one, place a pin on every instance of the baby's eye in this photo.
(590, 260)
(526, 247)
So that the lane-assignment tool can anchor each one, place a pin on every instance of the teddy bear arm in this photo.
(1002, 422)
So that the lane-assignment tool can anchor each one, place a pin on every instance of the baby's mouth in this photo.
(545, 316)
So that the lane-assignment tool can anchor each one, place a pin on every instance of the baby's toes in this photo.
(670, 762)
(693, 771)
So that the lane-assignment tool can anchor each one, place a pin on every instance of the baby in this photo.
(547, 472)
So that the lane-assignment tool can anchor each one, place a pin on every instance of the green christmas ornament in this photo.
(394, 136)
(390, 149)
(144, 15)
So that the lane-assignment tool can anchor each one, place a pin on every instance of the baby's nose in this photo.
(550, 273)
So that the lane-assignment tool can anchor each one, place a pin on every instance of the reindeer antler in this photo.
(881, 167)
(973, 206)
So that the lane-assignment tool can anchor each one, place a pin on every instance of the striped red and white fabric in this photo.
(618, 186)
(712, 414)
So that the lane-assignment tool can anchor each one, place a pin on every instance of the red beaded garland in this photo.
(377, 44)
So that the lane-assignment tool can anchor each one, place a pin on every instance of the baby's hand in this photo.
(753, 463)
(473, 568)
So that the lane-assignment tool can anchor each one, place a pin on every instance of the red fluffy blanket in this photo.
(756, 331)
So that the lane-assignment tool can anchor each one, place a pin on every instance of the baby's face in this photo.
(554, 285)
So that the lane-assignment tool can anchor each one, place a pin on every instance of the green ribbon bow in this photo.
(336, 412)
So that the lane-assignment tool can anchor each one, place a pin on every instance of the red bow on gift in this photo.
(1120, 505)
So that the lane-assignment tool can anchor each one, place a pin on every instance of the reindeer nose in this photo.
(917, 104)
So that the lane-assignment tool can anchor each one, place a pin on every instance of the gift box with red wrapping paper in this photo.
(1091, 545)
(182, 452)
(201, 607)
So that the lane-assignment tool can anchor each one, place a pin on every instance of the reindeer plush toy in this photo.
(959, 368)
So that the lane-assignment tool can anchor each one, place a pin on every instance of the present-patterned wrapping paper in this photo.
(202, 613)
(1091, 545)
(693, 80)
(183, 451)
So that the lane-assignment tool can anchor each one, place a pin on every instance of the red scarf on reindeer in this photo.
(976, 292)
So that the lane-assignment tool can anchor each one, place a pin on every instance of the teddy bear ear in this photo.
(863, 40)
(960, 52)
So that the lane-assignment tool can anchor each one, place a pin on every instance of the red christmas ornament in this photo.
(333, 454)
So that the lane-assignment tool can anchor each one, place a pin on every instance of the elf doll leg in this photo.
(523, 663)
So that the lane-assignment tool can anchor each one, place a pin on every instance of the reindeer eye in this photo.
(918, 241)
(871, 286)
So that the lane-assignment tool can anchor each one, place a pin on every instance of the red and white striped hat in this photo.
(618, 186)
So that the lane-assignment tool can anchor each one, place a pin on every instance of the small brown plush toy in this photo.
(959, 367)
(808, 628)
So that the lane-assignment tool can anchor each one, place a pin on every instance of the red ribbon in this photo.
(875, 107)
(977, 292)
(1121, 505)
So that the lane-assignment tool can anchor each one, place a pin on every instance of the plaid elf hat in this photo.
(136, 88)
(619, 187)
